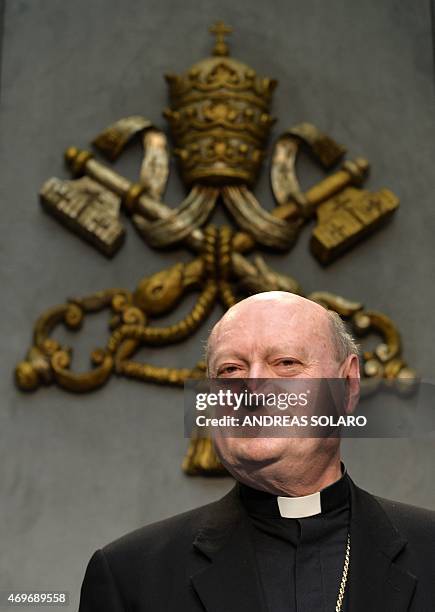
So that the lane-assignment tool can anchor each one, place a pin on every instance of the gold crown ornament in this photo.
(219, 117)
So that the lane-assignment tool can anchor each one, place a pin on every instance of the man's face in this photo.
(273, 337)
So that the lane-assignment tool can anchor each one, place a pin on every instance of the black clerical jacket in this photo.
(203, 560)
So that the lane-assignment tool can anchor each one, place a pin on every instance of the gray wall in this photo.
(78, 471)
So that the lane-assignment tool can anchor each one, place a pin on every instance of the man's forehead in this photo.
(272, 314)
(270, 327)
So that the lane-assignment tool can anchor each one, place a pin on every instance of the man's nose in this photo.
(257, 372)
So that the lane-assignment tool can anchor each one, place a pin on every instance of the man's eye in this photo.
(227, 369)
(288, 362)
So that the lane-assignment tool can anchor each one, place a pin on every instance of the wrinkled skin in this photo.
(280, 335)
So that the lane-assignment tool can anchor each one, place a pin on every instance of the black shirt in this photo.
(299, 561)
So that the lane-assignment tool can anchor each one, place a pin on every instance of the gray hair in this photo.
(343, 340)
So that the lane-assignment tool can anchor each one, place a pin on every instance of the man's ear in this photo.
(351, 372)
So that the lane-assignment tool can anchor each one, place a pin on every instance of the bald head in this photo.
(281, 335)
(279, 320)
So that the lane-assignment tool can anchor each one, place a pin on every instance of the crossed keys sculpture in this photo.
(220, 122)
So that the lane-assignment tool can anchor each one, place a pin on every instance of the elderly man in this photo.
(295, 533)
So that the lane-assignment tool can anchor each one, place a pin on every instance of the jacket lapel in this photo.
(376, 582)
(229, 581)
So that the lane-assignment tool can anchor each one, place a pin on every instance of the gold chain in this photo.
(342, 589)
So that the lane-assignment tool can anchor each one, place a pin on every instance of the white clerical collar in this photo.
(300, 507)
(316, 503)
(268, 505)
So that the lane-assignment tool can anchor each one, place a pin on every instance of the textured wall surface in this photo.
(78, 471)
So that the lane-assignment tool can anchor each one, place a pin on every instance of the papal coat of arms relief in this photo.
(220, 121)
